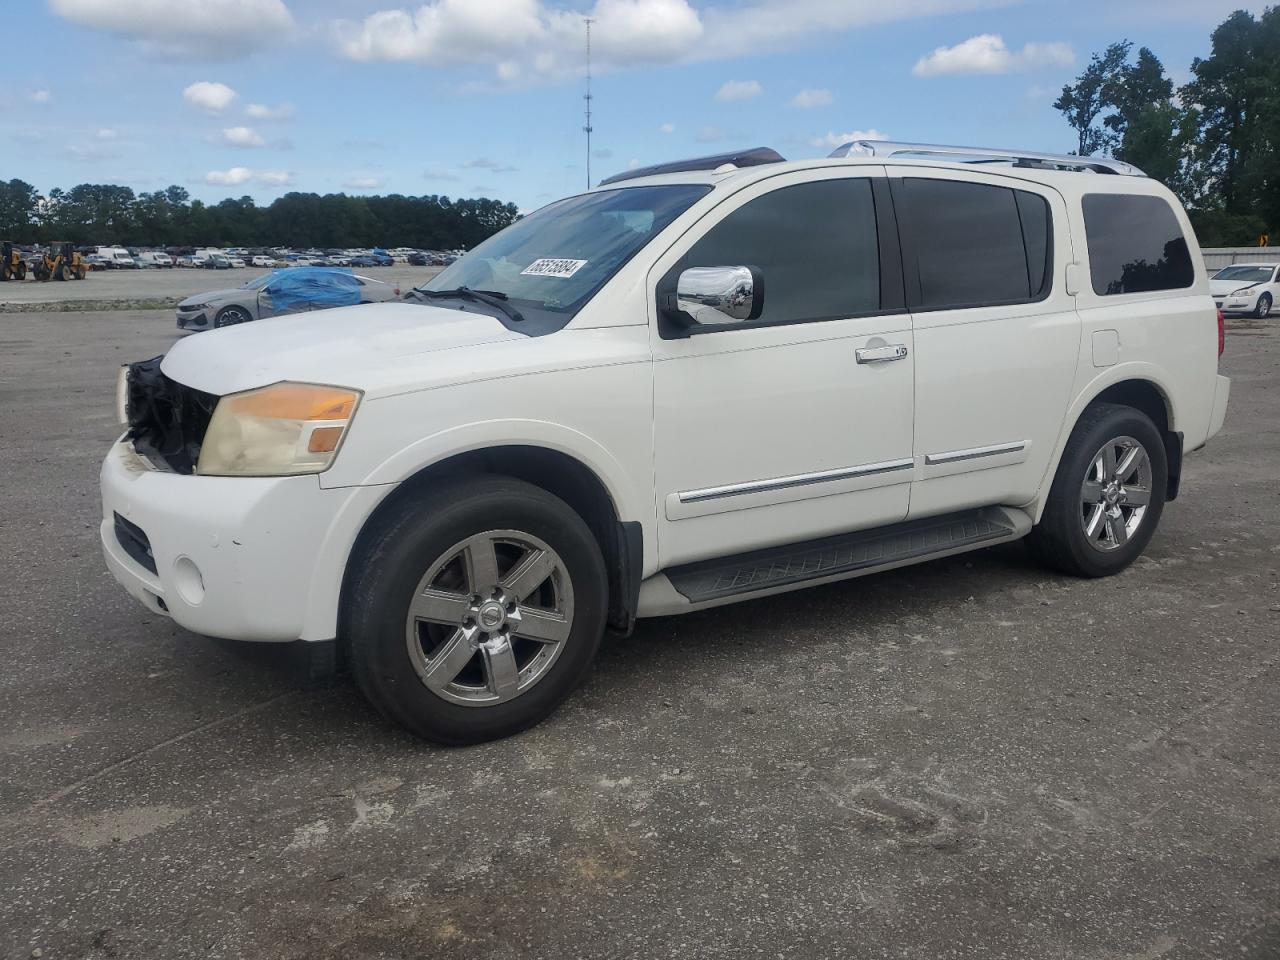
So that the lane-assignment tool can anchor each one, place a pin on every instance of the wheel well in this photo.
(558, 474)
(1146, 396)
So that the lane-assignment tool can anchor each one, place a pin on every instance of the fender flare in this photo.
(1103, 380)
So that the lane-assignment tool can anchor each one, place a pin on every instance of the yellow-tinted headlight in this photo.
(283, 429)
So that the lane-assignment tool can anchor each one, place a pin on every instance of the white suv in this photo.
(693, 385)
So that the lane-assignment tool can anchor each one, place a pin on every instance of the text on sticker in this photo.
(553, 267)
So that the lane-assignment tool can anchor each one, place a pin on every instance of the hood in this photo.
(231, 293)
(1222, 288)
(372, 347)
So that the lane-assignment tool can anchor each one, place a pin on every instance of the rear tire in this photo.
(430, 644)
(1107, 495)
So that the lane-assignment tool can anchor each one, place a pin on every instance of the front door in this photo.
(799, 424)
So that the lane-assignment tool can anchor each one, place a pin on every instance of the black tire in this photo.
(399, 551)
(1060, 539)
(5, 271)
(60, 272)
(230, 316)
(1263, 309)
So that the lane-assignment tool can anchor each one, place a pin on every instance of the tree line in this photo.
(1214, 141)
(100, 213)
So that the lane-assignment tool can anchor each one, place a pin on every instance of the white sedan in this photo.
(1251, 288)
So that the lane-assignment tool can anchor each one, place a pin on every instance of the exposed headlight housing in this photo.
(281, 430)
(1242, 292)
(193, 306)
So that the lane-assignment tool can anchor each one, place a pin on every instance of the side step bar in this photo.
(830, 558)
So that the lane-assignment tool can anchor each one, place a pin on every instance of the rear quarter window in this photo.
(1135, 245)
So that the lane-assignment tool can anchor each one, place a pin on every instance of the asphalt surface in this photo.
(173, 284)
(971, 758)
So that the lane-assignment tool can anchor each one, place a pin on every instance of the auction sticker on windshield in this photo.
(551, 267)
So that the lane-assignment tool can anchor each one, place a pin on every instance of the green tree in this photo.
(1094, 91)
(19, 208)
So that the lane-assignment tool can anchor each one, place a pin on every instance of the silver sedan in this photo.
(281, 292)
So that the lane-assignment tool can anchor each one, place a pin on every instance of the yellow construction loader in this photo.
(61, 262)
(12, 266)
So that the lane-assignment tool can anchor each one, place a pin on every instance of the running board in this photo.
(833, 558)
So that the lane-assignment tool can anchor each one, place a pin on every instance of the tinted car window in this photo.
(815, 244)
(976, 244)
(1135, 245)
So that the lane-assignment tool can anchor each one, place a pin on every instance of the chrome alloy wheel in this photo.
(1116, 493)
(490, 618)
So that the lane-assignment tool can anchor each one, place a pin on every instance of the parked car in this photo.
(118, 258)
(362, 260)
(237, 262)
(279, 292)
(156, 259)
(216, 261)
(419, 259)
(723, 380)
(381, 258)
(1247, 288)
(97, 261)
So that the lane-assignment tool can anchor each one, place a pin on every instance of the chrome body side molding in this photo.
(797, 480)
(974, 453)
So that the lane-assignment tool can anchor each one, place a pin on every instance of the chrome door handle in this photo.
(892, 351)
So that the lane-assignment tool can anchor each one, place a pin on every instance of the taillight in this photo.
(1222, 333)
(397, 293)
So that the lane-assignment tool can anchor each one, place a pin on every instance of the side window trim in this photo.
(910, 250)
(892, 299)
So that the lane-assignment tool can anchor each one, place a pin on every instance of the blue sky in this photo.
(484, 97)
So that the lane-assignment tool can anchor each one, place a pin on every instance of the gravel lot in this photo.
(173, 284)
(971, 758)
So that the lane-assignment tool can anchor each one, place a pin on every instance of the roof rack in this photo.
(1019, 158)
(739, 158)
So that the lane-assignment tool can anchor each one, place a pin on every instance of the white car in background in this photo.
(261, 261)
(1246, 288)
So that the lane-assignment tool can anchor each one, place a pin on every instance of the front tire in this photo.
(230, 316)
(476, 608)
(1107, 495)
(1263, 309)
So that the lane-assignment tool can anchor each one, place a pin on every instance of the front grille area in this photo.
(131, 537)
(167, 420)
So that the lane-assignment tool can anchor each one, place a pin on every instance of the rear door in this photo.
(996, 334)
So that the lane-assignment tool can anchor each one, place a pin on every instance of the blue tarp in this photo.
(311, 287)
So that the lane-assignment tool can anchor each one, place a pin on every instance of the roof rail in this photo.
(1019, 158)
(739, 158)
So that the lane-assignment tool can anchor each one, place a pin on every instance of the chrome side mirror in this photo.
(711, 296)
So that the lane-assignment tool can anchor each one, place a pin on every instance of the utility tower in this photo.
(587, 97)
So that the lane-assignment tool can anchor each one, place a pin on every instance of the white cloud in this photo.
(228, 178)
(362, 183)
(214, 97)
(987, 53)
(208, 29)
(107, 133)
(667, 128)
(242, 137)
(260, 111)
(831, 139)
(275, 178)
(90, 152)
(734, 90)
(41, 96)
(539, 41)
(493, 166)
(808, 99)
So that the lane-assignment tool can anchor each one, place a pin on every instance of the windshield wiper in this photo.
(493, 298)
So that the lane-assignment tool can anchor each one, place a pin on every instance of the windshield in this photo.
(257, 283)
(1245, 274)
(549, 264)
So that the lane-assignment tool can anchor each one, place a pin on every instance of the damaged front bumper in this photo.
(231, 557)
